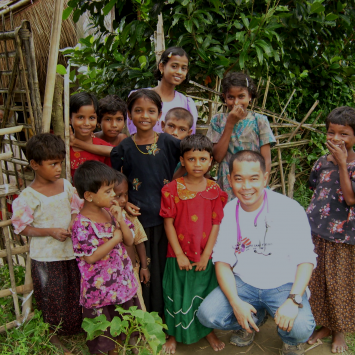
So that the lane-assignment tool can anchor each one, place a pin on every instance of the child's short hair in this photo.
(343, 115)
(239, 80)
(196, 142)
(91, 175)
(180, 114)
(120, 177)
(149, 94)
(167, 54)
(45, 146)
(82, 99)
(247, 155)
(111, 104)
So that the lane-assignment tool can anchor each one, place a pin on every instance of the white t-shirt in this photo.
(270, 262)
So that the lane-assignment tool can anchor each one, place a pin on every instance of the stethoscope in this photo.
(240, 247)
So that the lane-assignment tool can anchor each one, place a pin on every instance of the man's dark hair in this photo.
(82, 99)
(149, 94)
(111, 104)
(91, 175)
(247, 155)
(233, 79)
(45, 146)
(343, 115)
(180, 113)
(196, 142)
(120, 177)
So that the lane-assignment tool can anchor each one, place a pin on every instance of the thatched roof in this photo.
(40, 14)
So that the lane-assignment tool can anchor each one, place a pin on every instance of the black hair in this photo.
(196, 142)
(82, 99)
(149, 94)
(91, 175)
(167, 54)
(343, 115)
(180, 114)
(111, 104)
(239, 80)
(247, 155)
(45, 146)
(120, 177)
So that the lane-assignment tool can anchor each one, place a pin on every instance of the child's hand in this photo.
(72, 138)
(116, 211)
(202, 264)
(60, 234)
(237, 114)
(144, 275)
(70, 227)
(183, 262)
(339, 153)
(117, 235)
(132, 210)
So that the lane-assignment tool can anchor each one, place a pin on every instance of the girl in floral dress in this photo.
(107, 277)
(192, 208)
(331, 215)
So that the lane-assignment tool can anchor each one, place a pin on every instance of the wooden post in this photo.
(57, 113)
(67, 125)
(52, 64)
(159, 39)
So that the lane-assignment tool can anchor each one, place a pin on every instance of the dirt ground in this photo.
(265, 343)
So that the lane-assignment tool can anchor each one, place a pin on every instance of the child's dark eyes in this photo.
(182, 129)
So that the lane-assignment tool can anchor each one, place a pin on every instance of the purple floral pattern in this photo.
(110, 280)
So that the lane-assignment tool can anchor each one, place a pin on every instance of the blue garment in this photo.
(216, 312)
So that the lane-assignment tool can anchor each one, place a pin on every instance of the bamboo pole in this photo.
(314, 124)
(67, 125)
(19, 289)
(266, 92)
(15, 6)
(288, 101)
(279, 155)
(52, 64)
(57, 113)
(159, 39)
(14, 324)
(15, 251)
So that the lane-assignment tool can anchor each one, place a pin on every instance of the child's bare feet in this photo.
(56, 342)
(170, 346)
(320, 333)
(215, 343)
(338, 342)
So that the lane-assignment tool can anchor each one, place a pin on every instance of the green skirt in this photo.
(183, 293)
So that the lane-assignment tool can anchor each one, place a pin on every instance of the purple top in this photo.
(179, 100)
(108, 281)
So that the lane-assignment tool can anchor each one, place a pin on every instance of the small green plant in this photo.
(150, 325)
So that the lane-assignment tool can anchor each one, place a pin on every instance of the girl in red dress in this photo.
(83, 108)
(192, 208)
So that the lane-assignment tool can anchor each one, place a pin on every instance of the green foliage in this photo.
(133, 320)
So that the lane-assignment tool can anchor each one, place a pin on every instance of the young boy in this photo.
(178, 123)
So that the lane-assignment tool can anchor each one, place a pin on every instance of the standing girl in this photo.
(148, 160)
(83, 116)
(172, 71)
(331, 215)
(192, 208)
(238, 129)
(106, 270)
(55, 274)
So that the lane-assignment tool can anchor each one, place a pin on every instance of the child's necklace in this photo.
(153, 145)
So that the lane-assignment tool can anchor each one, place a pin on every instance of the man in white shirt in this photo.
(264, 260)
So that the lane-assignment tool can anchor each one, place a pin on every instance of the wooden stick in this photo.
(14, 323)
(67, 125)
(304, 119)
(10, 130)
(15, 251)
(288, 101)
(26, 306)
(266, 92)
(205, 88)
(204, 99)
(315, 124)
(19, 289)
(52, 64)
(291, 144)
(159, 39)
(14, 6)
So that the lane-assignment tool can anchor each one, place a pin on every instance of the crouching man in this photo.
(263, 258)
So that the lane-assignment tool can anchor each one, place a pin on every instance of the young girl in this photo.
(172, 71)
(192, 208)
(148, 160)
(137, 251)
(106, 270)
(55, 274)
(238, 129)
(332, 218)
(83, 108)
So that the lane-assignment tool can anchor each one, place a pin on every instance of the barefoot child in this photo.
(148, 160)
(238, 129)
(172, 71)
(137, 251)
(192, 208)
(331, 215)
(83, 116)
(55, 274)
(106, 270)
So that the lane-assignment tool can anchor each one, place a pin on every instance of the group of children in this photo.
(93, 250)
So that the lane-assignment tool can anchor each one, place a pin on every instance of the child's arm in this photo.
(265, 151)
(181, 258)
(340, 155)
(144, 272)
(60, 234)
(91, 148)
(126, 231)
(205, 256)
(104, 249)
